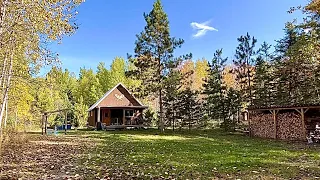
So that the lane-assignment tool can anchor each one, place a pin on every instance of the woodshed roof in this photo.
(310, 106)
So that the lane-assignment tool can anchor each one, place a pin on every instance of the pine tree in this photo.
(262, 81)
(189, 107)
(214, 88)
(172, 85)
(284, 44)
(154, 49)
(232, 107)
(244, 62)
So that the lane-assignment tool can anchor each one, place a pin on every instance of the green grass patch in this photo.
(196, 154)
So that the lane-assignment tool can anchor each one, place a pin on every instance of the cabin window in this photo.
(91, 113)
(129, 112)
(106, 114)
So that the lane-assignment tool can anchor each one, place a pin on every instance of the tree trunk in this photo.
(16, 120)
(6, 90)
(3, 69)
(249, 83)
(161, 124)
(6, 116)
(3, 8)
(173, 114)
(66, 121)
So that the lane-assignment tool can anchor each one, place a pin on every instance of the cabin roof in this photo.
(109, 92)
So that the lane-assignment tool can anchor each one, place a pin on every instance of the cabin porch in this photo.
(116, 117)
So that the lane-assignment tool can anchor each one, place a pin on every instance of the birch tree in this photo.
(25, 28)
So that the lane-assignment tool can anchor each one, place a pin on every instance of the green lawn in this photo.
(145, 154)
(198, 154)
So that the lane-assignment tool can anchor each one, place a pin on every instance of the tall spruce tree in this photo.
(262, 81)
(172, 85)
(232, 106)
(153, 52)
(244, 62)
(189, 107)
(214, 88)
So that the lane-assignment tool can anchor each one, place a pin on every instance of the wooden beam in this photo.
(274, 113)
(303, 124)
(284, 108)
(306, 110)
(55, 111)
(300, 112)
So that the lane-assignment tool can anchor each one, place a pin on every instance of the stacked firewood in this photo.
(262, 125)
(289, 126)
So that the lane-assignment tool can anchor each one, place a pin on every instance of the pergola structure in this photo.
(45, 116)
(283, 122)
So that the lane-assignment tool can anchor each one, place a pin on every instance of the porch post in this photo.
(123, 118)
(98, 118)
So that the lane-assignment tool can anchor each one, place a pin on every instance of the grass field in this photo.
(145, 154)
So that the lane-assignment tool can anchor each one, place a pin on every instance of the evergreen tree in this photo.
(214, 88)
(244, 62)
(154, 49)
(262, 81)
(189, 107)
(290, 38)
(232, 108)
(172, 85)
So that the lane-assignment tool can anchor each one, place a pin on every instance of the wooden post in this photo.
(303, 123)
(98, 118)
(45, 123)
(275, 123)
(123, 117)
(66, 123)
(42, 125)
(301, 111)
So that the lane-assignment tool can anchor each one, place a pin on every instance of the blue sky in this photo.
(108, 27)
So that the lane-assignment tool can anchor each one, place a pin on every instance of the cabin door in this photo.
(105, 116)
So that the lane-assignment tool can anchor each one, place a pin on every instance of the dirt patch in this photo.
(43, 157)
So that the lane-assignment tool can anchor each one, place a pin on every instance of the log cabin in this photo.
(284, 122)
(116, 109)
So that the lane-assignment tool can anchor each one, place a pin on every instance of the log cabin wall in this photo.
(91, 118)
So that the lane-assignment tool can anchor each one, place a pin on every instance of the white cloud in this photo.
(202, 28)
